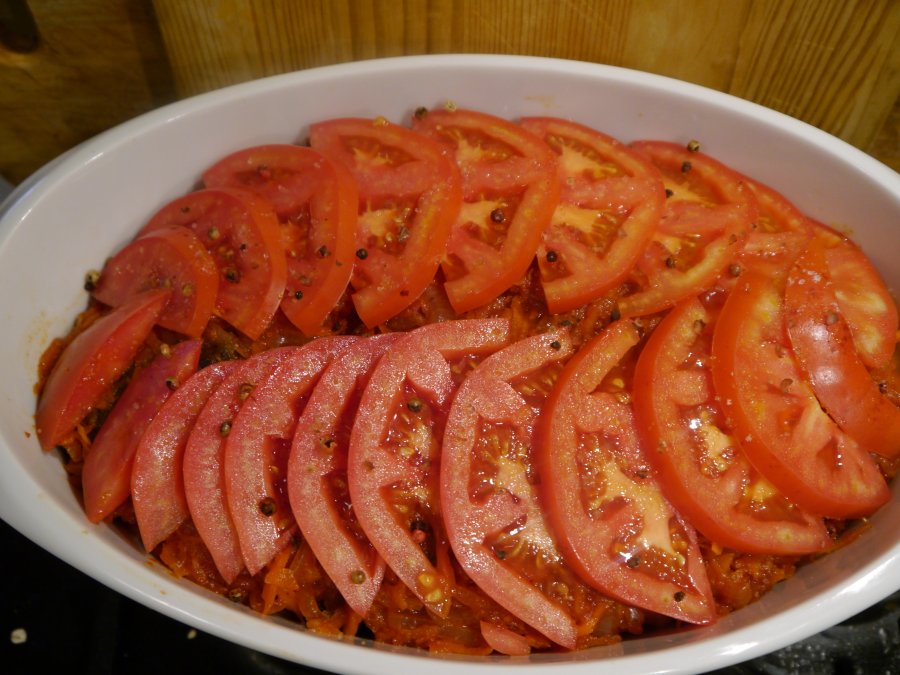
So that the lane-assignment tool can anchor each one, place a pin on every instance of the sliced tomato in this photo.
(91, 363)
(823, 343)
(503, 640)
(777, 419)
(395, 447)
(702, 468)
(409, 198)
(256, 451)
(241, 232)
(510, 191)
(489, 491)
(779, 234)
(613, 524)
(706, 217)
(170, 258)
(611, 201)
(106, 475)
(317, 475)
(865, 302)
(203, 461)
(157, 484)
(315, 199)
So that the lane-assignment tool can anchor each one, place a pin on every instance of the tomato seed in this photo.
(245, 390)
(357, 577)
(225, 428)
(267, 506)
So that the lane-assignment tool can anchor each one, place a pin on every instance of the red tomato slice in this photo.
(708, 213)
(157, 484)
(315, 199)
(865, 302)
(779, 423)
(489, 495)
(240, 230)
(90, 365)
(510, 191)
(779, 234)
(703, 470)
(409, 198)
(106, 476)
(824, 346)
(614, 526)
(256, 451)
(203, 461)
(317, 475)
(611, 203)
(395, 446)
(170, 258)
(504, 641)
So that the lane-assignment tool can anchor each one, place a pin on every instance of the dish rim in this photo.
(715, 651)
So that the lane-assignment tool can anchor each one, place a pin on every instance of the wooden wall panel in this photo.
(98, 63)
(833, 63)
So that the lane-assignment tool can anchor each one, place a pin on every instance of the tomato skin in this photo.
(706, 218)
(487, 400)
(702, 469)
(381, 457)
(157, 484)
(318, 460)
(409, 198)
(578, 413)
(824, 346)
(315, 199)
(106, 476)
(601, 178)
(240, 231)
(779, 422)
(503, 167)
(91, 364)
(259, 440)
(203, 461)
(165, 258)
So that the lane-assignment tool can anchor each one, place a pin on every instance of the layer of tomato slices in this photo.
(482, 484)
(509, 190)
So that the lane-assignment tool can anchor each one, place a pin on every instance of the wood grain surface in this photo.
(832, 63)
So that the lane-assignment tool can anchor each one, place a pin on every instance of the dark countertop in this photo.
(75, 625)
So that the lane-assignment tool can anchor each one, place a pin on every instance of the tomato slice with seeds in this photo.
(611, 202)
(613, 523)
(395, 445)
(256, 451)
(824, 346)
(91, 364)
(157, 484)
(106, 475)
(705, 219)
(779, 234)
(779, 422)
(864, 300)
(510, 191)
(166, 258)
(409, 197)
(315, 199)
(203, 461)
(489, 492)
(240, 230)
(317, 475)
(702, 468)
